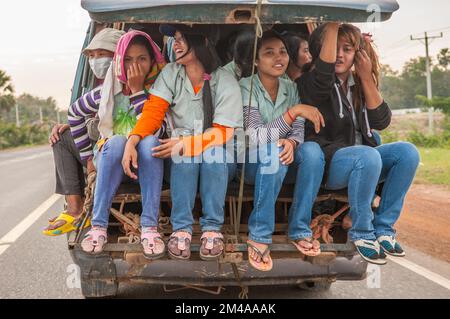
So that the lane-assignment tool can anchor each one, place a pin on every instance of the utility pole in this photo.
(427, 39)
(58, 118)
(17, 115)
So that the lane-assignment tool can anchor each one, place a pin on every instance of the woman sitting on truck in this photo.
(344, 85)
(299, 56)
(242, 51)
(70, 180)
(204, 106)
(137, 62)
(275, 120)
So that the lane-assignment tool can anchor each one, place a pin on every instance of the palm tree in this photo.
(6, 92)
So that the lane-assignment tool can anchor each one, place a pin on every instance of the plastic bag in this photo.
(124, 122)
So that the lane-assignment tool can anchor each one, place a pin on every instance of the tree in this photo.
(440, 103)
(7, 100)
(416, 67)
(30, 107)
(389, 85)
(400, 89)
(444, 58)
(412, 82)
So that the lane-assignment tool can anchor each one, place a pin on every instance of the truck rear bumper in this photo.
(286, 271)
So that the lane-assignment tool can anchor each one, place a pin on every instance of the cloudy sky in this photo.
(41, 40)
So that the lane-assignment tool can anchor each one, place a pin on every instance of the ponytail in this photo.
(207, 55)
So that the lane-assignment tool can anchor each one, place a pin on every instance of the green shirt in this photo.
(186, 107)
(287, 97)
(233, 69)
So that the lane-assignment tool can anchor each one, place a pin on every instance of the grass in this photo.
(434, 166)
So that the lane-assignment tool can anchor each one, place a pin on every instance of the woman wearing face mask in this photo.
(299, 55)
(137, 62)
(344, 85)
(100, 51)
(274, 119)
(68, 164)
(203, 102)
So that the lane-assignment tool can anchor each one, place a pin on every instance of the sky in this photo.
(41, 40)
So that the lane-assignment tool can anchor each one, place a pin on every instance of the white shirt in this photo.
(350, 83)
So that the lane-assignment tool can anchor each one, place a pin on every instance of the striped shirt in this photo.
(261, 133)
(87, 106)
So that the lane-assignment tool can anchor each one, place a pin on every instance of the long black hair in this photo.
(243, 52)
(315, 45)
(206, 54)
(294, 42)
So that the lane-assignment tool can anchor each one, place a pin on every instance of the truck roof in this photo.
(238, 11)
(387, 6)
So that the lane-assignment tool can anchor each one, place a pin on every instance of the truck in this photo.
(122, 259)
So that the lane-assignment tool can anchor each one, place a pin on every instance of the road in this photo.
(35, 266)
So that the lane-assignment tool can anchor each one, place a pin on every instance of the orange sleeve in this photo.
(152, 117)
(218, 135)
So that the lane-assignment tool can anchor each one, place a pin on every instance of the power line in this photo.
(395, 50)
(403, 40)
(440, 29)
(395, 44)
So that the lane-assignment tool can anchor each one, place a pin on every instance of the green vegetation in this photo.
(434, 167)
(36, 116)
(12, 136)
(400, 89)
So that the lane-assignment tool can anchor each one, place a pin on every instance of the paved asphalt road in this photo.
(35, 266)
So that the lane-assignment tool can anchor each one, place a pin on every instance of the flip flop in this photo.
(183, 243)
(95, 240)
(148, 240)
(211, 239)
(254, 263)
(307, 252)
(71, 224)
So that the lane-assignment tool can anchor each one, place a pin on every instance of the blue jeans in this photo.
(361, 168)
(210, 173)
(110, 174)
(306, 172)
(264, 170)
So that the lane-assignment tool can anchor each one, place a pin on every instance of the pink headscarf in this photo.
(121, 49)
(116, 79)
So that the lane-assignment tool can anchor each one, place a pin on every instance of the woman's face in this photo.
(345, 56)
(100, 53)
(138, 54)
(180, 48)
(304, 57)
(273, 58)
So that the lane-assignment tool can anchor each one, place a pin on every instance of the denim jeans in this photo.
(264, 170)
(110, 174)
(306, 172)
(361, 168)
(210, 173)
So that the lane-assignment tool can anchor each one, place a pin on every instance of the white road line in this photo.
(3, 249)
(428, 274)
(27, 158)
(22, 227)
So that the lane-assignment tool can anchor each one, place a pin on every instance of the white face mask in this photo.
(100, 66)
